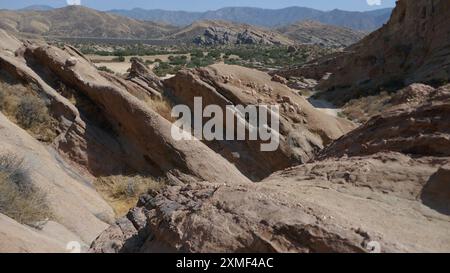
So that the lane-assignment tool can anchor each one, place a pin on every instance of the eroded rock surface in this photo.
(303, 209)
(361, 195)
(421, 130)
(304, 130)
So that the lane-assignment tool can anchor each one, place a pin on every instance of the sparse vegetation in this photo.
(161, 106)
(19, 198)
(362, 109)
(105, 69)
(31, 112)
(122, 192)
(119, 59)
(262, 57)
(22, 106)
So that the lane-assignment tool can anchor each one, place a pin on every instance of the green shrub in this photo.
(19, 198)
(119, 59)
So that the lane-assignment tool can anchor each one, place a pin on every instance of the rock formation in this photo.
(413, 47)
(304, 130)
(312, 32)
(311, 207)
(209, 33)
(329, 187)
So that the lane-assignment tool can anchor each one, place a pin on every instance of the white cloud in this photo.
(73, 2)
(374, 2)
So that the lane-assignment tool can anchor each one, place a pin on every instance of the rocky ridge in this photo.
(213, 33)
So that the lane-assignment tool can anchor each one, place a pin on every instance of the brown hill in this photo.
(413, 47)
(312, 32)
(78, 21)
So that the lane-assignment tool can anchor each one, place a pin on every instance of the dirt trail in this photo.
(324, 106)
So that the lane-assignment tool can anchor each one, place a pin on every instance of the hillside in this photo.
(413, 47)
(312, 32)
(78, 21)
(366, 21)
(226, 33)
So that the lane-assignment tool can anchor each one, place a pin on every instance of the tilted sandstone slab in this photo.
(422, 130)
(145, 134)
(303, 129)
(347, 205)
(71, 196)
(17, 238)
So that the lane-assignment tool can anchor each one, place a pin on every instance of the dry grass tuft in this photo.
(19, 198)
(161, 106)
(122, 192)
(23, 107)
(362, 109)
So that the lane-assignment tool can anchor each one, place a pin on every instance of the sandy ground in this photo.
(325, 106)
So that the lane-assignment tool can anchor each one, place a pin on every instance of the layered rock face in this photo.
(104, 127)
(303, 129)
(382, 187)
(209, 33)
(313, 32)
(333, 204)
(412, 47)
(418, 130)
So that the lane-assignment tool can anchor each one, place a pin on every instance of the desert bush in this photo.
(31, 112)
(122, 192)
(19, 198)
(22, 106)
(119, 59)
(105, 69)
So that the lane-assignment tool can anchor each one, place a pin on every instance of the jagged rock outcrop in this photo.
(209, 33)
(304, 130)
(402, 200)
(143, 131)
(422, 130)
(412, 47)
(145, 78)
(103, 128)
(302, 209)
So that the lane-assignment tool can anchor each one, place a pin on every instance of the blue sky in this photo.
(202, 5)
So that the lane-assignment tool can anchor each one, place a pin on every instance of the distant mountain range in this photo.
(365, 21)
(82, 22)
